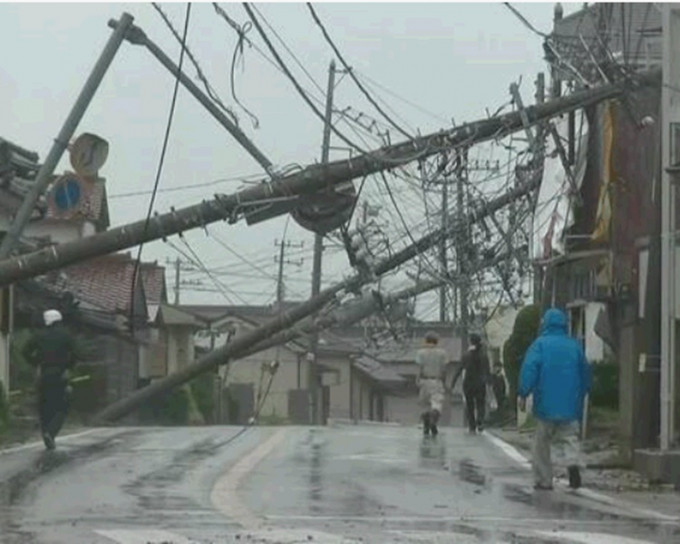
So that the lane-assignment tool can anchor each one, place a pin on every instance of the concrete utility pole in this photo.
(180, 266)
(62, 140)
(309, 180)
(282, 261)
(670, 138)
(318, 253)
(462, 247)
(442, 250)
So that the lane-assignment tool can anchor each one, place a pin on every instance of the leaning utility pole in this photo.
(62, 140)
(309, 180)
(313, 378)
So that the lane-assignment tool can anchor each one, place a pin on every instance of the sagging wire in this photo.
(161, 162)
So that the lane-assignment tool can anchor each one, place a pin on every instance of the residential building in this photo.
(600, 246)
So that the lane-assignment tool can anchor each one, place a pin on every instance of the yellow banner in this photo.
(603, 217)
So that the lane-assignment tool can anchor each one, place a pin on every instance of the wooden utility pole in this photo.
(309, 180)
(313, 378)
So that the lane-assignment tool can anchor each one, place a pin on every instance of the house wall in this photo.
(339, 386)
(57, 231)
(360, 391)
(179, 342)
(402, 409)
(248, 370)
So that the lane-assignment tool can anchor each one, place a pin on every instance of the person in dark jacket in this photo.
(556, 373)
(476, 367)
(52, 351)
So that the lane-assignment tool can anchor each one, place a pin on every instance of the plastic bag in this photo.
(491, 399)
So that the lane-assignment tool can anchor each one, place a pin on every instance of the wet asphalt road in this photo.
(333, 484)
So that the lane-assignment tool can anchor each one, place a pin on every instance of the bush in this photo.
(524, 332)
(203, 388)
(605, 388)
(4, 409)
(22, 374)
(171, 408)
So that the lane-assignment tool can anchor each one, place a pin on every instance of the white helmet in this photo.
(51, 316)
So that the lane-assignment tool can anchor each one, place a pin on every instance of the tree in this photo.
(524, 332)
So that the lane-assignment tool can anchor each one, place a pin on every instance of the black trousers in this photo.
(52, 404)
(475, 404)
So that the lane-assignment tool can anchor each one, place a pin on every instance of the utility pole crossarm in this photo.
(309, 180)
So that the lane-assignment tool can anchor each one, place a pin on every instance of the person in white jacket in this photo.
(431, 361)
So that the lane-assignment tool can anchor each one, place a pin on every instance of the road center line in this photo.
(224, 495)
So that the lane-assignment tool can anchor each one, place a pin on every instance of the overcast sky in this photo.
(453, 60)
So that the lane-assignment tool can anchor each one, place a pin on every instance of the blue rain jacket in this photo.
(555, 371)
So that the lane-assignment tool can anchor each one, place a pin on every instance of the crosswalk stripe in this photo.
(144, 536)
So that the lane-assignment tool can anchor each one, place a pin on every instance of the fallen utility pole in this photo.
(356, 310)
(62, 140)
(309, 180)
(287, 319)
(258, 340)
(219, 356)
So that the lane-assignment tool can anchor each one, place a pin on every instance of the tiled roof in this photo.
(105, 282)
(378, 371)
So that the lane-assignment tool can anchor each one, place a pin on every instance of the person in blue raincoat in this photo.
(556, 373)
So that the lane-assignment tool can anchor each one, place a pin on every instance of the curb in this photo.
(39, 443)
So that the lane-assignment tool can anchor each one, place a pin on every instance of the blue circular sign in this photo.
(67, 194)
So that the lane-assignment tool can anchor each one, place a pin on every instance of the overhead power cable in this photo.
(351, 73)
(199, 72)
(524, 20)
(161, 161)
(292, 78)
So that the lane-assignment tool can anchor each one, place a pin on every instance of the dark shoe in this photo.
(48, 439)
(480, 428)
(574, 477)
(540, 487)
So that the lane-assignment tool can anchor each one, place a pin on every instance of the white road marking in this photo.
(591, 538)
(295, 536)
(144, 536)
(517, 456)
(509, 450)
(224, 495)
(39, 444)
(450, 519)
